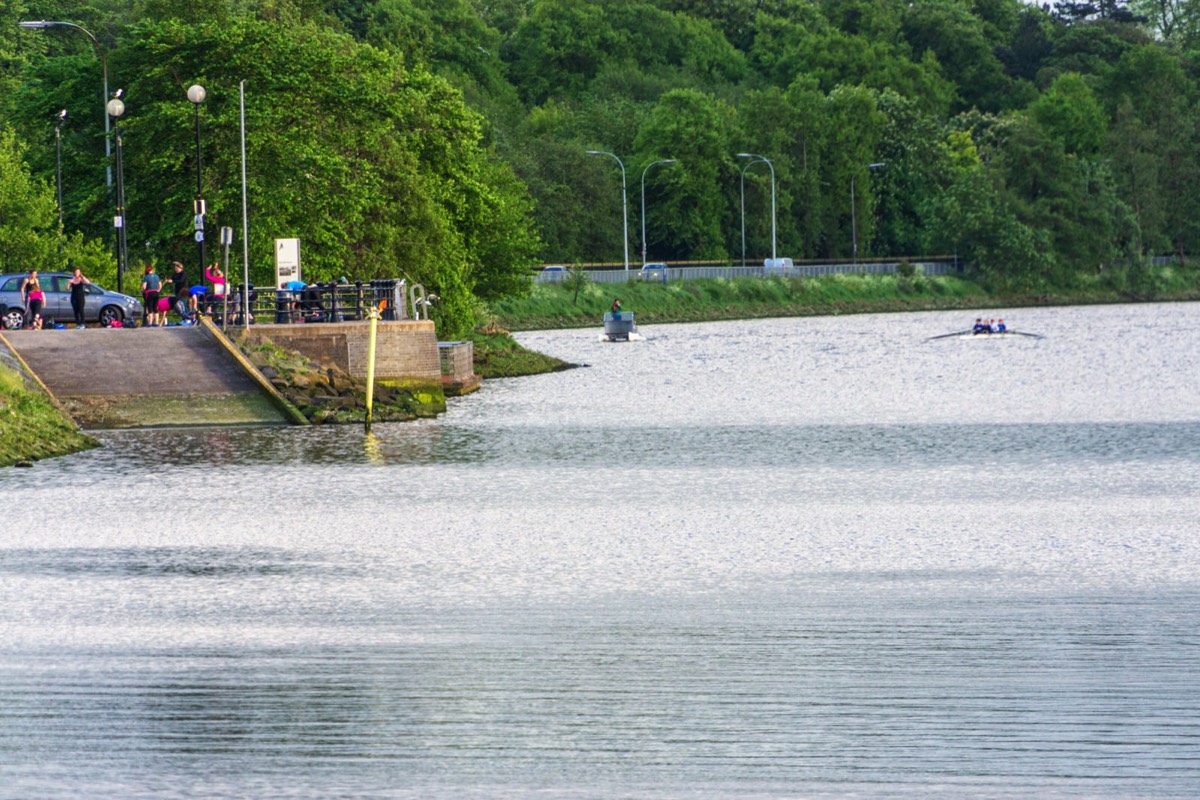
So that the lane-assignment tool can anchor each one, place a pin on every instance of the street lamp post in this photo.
(41, 23)
(624, 202)
(115, 109)
(854, 221)
(196, 95)
(62, 116)
(757, 158)
(647, 169)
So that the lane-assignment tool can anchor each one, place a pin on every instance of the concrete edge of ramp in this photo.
(290, 412)
(29, 373)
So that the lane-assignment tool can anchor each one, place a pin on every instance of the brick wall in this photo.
(406, 350)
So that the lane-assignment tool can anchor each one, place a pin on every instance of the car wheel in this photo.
(14, 319)
(111, 314)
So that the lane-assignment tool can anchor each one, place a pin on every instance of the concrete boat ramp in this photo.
(147, 377)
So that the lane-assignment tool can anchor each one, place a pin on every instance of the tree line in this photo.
(446, 140)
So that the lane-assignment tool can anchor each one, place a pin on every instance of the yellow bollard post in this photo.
(373, 315)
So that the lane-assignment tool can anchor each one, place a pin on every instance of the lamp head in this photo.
(877, 165)
(594, 153)
(116, 108)
(38, 23)
(196, 93)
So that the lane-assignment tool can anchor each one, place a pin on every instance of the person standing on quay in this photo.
(151, 286)
(78, 296)
(35, 299)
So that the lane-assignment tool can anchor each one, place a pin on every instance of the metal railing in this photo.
(929, 267)
(319, 302)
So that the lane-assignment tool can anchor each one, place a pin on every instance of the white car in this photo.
(654, 272)
(552, 274)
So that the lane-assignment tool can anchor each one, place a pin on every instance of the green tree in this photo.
(28, 216)
(692, 128)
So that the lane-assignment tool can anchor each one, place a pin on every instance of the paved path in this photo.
(144, 377)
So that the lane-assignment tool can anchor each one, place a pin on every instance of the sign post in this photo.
(287, 262)
(226, 241)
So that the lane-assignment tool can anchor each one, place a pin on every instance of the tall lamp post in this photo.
(196, 94)
(647, 169)
(41, 24)
(115, 109)
(854, 220)
(58, 121)
(755, 159)
(624, 202)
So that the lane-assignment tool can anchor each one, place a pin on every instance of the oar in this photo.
(948, 335)
(1030, 335)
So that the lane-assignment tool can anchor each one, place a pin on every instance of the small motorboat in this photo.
(619, 326)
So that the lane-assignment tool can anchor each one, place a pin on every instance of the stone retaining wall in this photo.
(404, 351)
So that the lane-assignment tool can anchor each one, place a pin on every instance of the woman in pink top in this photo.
(35, 299)
(217, 278)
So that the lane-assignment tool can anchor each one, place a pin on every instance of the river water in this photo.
(781, 558)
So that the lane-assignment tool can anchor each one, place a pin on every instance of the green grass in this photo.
(497, 355)
(554, 306)
(31, 427)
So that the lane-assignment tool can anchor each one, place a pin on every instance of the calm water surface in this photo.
(782, 558)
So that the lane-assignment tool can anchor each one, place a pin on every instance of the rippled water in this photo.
(782, 558)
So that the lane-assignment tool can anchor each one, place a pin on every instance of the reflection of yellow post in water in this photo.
(373, 315)
(372, 449)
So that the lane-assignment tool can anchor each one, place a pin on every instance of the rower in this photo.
(1001, 327)
(980, 327)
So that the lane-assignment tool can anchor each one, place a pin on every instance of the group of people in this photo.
(35, 299)
(183, 297)
(989, 326)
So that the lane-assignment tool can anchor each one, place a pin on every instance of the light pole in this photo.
(41, 23)
(115, 109)
(62, 116)
(196, 95)
(624, 202)
(647, 169)
(756, 158)
(743, 196)
(854, 221)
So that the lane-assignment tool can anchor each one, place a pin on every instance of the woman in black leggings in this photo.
(78, 295)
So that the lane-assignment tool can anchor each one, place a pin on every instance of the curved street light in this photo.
(854, 219)
(196, 95)
(42, 24)
(647, 169)
(624, 202)
(757, 158)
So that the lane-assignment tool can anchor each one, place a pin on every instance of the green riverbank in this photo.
(31, 426)
(552, 306)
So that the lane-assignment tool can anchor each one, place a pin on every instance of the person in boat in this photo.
(616, 306)
(980, 326)
(1001, 327)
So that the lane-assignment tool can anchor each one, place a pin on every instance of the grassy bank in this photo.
(555, 306)
(497, 355)
(31, 427)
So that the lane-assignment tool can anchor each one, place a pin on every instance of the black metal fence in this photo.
(318, 302)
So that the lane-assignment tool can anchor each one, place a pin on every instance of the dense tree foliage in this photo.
(446, 140)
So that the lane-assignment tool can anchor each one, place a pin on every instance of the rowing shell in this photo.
(973, 335)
